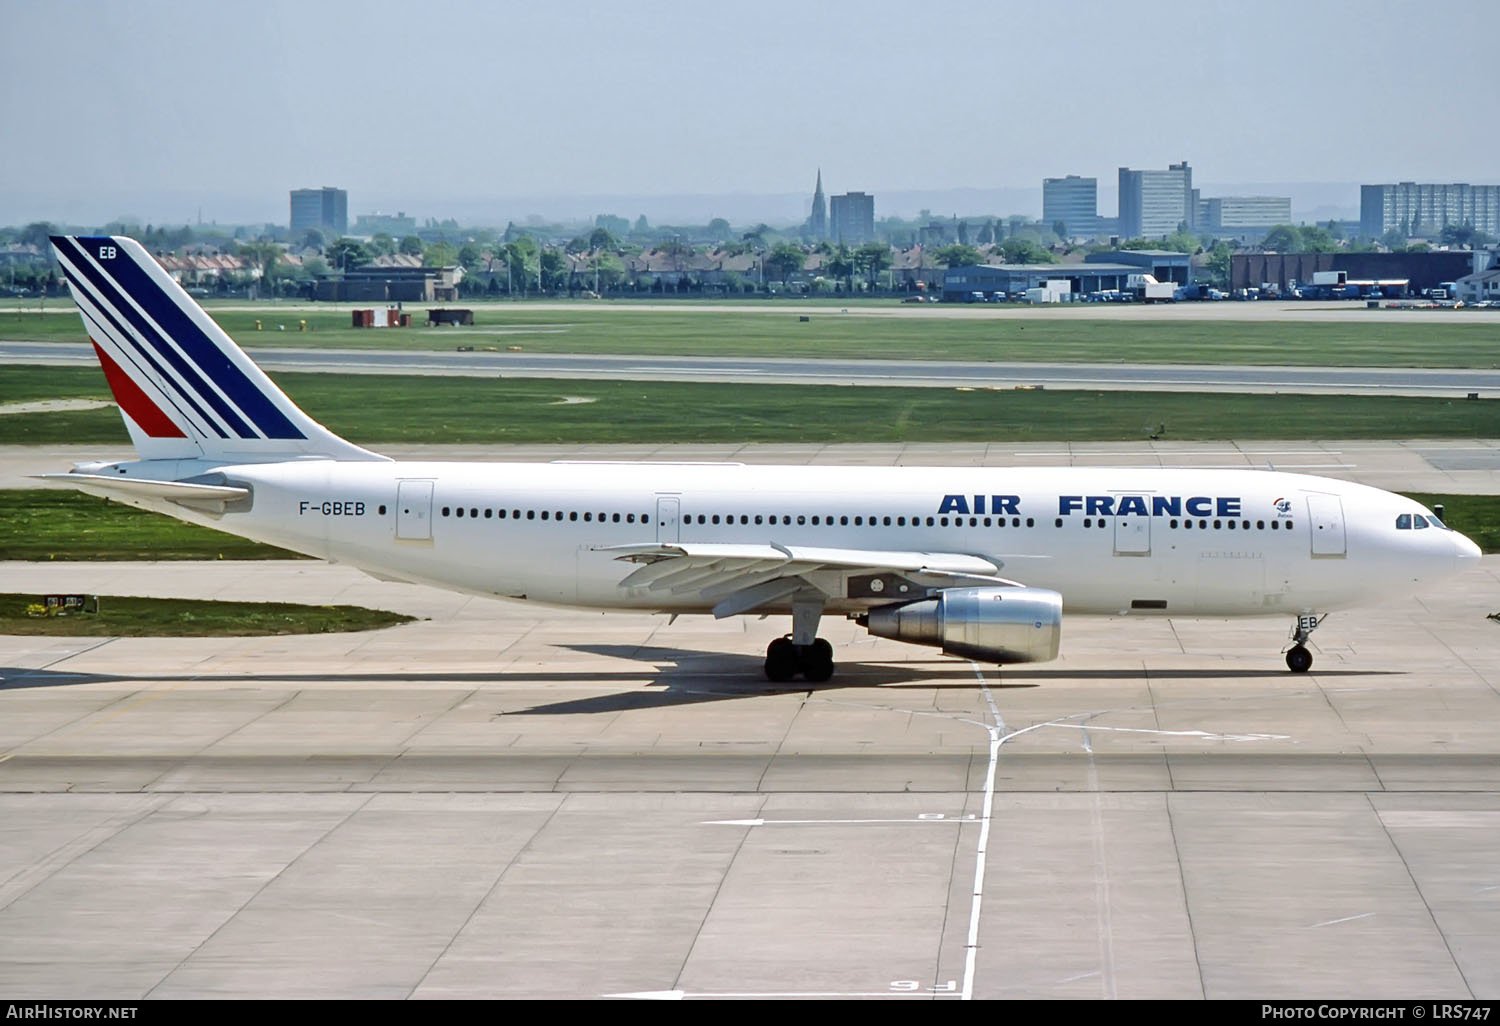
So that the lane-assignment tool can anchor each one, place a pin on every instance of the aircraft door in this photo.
(1132, 536)
(668, 519)
(414, 511)
(1325, 521)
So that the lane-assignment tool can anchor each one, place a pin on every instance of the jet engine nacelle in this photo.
(996, 625)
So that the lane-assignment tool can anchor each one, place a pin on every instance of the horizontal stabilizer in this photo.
(203, 496)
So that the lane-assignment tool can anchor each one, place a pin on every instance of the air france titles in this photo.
(1104, 505)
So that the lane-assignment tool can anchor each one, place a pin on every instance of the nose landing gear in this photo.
(1298, 658)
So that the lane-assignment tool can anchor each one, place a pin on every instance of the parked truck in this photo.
(1147, 289)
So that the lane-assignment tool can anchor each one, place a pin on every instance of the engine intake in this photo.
(997, 625)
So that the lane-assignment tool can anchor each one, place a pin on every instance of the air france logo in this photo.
(1283, 505)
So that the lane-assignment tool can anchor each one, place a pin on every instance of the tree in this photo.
(347, 254)
(37, 234)
(411, 246)
(1217, 265)
(469, 256)
(876, 257)
(1024, 251)
(603, 238)
(841, 263)
(785, 259)
(718, 229)
(262, 256)
(554, 265)
(1283, 238)
(958, 255)
(1060, 228)
(520, 263)
(440, 254)
(382, 244)
(1182, 241)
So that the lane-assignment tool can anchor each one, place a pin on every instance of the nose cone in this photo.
(1468, 552)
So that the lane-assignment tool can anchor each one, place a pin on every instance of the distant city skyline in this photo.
(683, 112)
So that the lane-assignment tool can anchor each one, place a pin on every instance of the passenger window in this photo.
(474, 511)
(815, 521)
(573, 515)
(943, 521)
(1086, 522)
(1030, 522)
(887, 521)
(801, 519)
(630, 518)
(900, 521)
(615, 517)
(488, 513)
(757, 518)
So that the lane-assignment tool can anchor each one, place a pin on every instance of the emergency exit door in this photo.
(414, 511)
(668, 519)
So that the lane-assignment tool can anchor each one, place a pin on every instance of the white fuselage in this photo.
(1109, 540)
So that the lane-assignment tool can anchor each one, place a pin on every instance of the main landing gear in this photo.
(1298, 658)
(784, 660)
(802, 651)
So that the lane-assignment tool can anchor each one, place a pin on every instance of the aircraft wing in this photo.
(742, 578)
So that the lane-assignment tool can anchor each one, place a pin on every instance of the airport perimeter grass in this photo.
(376, 410)
(43, 524)
(131, 617)
(1057, 336)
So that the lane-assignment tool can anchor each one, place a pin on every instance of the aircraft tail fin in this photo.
(185, 389)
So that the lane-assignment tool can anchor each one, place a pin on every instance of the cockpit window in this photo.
(1418, 522)
(1435, 522)
(1403, 522)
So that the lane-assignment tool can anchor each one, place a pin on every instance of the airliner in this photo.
(979, 562)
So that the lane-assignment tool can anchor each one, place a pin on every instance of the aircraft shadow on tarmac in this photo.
(678, 676)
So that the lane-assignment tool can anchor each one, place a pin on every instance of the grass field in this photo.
(373, 410)
(43, 524)
(622, 329)
(131, 617)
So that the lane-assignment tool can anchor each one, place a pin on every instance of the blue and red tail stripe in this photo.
(239, 403)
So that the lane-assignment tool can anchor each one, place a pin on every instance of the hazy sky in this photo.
(157, 108)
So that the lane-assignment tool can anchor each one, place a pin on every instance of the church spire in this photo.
(817, 223)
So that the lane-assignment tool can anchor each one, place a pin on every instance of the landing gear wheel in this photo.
(781, 660)
(1298, 659)
(816, 661)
